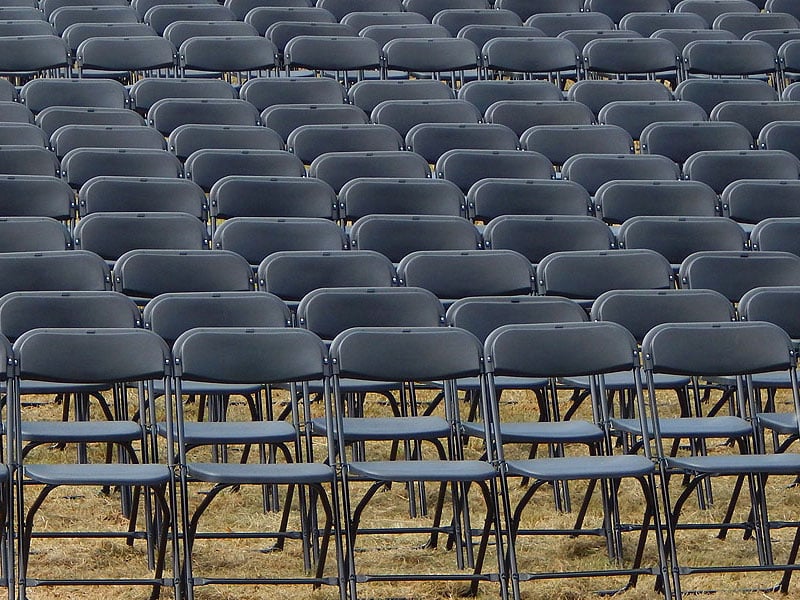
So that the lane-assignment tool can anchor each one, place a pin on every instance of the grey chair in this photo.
(679, 140)
(751, 200)
(617, 201)
(466, 167)
(387, 195)
(186, 139)
(81, 164)
(593, 170)
(720, 168)
(265, 92)
(207, 166)
(337, 168)
(493, 197)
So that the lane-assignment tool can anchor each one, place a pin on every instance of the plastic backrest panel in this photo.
(28, 234)
(465, 167)
(169, 113)
(482, 94)
(755, 115)
(263, 92)
(582, 37)
(710, 92)
(646, 24)
(27, 160)
(262, 18)
(635, 116)
(780, 135)
(286, 118)
(335, 53)
(236, 54)
(593, 170)
(141, 194)
(526, 8)
(135, 53)
(281, 32)
(492, 197)
(81, 164)
(23, 134)
(53, 117)
(630, 55)
(429, 8)
(751, 200)
(720, 168)
(35, 195)
(369, 93)
(186, 139)
(146, 92)
(159, 17)
(38, 94)
(711, 9)
(431, 55)
(679, 140)
(742, 23)
(616, 201)
(729, 57)
(360, 19)
(431, 140)
(310, 141)
(382, 195)
(530, 55)
(616, 9)
(681, 37)
(777, 234)
(521, 115)
(776, 305)
(554, 23)
(264, 196)
(67, 15)
(480, 34)
(402, 115)
(559, 142)
(337, 168)
(206, 167)
(596, 94)
(70, 137)
(180, 31)
(68, 270)
(383, 34)
(454, 19)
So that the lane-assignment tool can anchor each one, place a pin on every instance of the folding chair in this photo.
(39, 94)
(80, 32)
(410, 355)
(160, 16)
(789, 63)
(711, 9)
(263, 17)
(28, 160)
(455, 19)
(743, 23)
(206, 167)
(483, 94)
(8, 92)
(402, 115)
(142, 6)
(452, 275)
(264, 196)
(571, 19)
(617, 201)
(145, 274)
(429, 8)
(755, 115)
(435, 58)
(387, 195)
(617, 10)
(285, 118)
(181, 31)
(255, 238)
(679, 140)
(634, 116)
(53, 117)
(21, 13)
(521, 115)
(431, 140)
(117, 358)
(67, 270)
(527, 8)
(536, 236)
(752, 200)
(395, 236)
(560, 142)
(80, 165)
(307, 142)
(648, 58)
(348, 58)
(709, 92)
(186, 139)
(775, 234)
(111, 235)
(466, 167)
(569, 349)
(553, 59)
(237, 58)
(493, 197)
(36, 196)
(29, 234)
(70, 137)
(593, 170)
(359, 20)
(774, 37)
(730, 58)
(581, 37)
(596, 94)
(281, 32)
(132, 56)
(169, 113)
(680, 38)
(69, 15)
(647, 23)
(337, 168)
(383, 34)
(480, 34)
(265, 92)
(779, 135)
(368, 94)
(719, 168)
(146, 92)
(732, 274)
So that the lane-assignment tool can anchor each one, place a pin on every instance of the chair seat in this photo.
(531, 432)
(105, 474)
(233, 473)
(473, 384)
(770, 379)
(234, 432)
(586, 467)
(423, 470)
(624, 381)
(780, 422)
(202, 387)
(80, 431)
(388, 428)
(356, 386)
(54, 387)
(768, 464)
(693, 427)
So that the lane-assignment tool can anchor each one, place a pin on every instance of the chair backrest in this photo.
(395, 236)
(359, 20)
(141, 54)
(370, 93)
(180, 31)
(617, 9)
(493, 197)
(536, 236)
(751, 200)
(282, 32)
(616, 201)
(330, 311)
(402, 115)
(66, 270)
(634, 116)
(431, 140)
(18, 28)
(719, 168)
(383, 34)
(581, 37)
(681, 37)
(647, 23)
(255, 238)
(169, 113)
(480, 34)
(172, 314)
(186, 139)
(39, 94)
(146, 92)
(528, 8)
(285, 118)
(482, 94)
(743, 23)
(734, 273)
(28, 160)
(777, 234)
(265, 196)
(631, 56)
(482, 315)
(773, 304)
(263, 92)
(774, 37)
(207, 166)
(461, 274)
(587, 274)
(780, 135)
(729, 57)
(36, 195)
(337, 168)
(14, 112)
(148, 273)
(597, 93)
(431, 55)
(21, 134)
(293, 274)
(238, 57)
(755, 115)
(160, 16)
(639, 311)
(593, 170)
(142, 194)
(388, 195)
(530, 55)
(23, 311)
(335, 53)
(455, 19)
(68, 15)
(679, 140)
(465, 167)
(711, 9)
(560, 142)
(262, 18)
(80, 165)
(521, 115)
(710, 92)
(142, 6)
(786, 6)
(308, 142)
(28, 234)
(429, 8)
(70, 137)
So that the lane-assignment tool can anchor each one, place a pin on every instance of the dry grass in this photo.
(235, 510)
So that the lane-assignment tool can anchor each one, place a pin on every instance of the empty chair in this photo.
(387, 195)
(27, 160)
(69, 137)
(142, 6)
(734, 273)
(308, 142)
(581, 37)
(36, 196)
(647, 23)
(142, 194)
(555, 23)
(531, 57)
(81, 164)
(616, 9)
(238, 58)
(596, 94)
(146, 92)
(186, 139)
(66, 270)
(485, 93)
(282, 32)
(80, 32)
(180, 31)
(35, 55)
(465, 167)
(521, 115)
(110, 235)
(347, 57)
(69, 15)
(337, 168)
(711, 9)
(528, 8)
(53, 117)
(255, 238)
(536, 236)
(617, 201)
(587, 274)
(145, 274)
(431, 140)
(779, 234)
(207, 166)
(263, 92)
(438, 57)
(367, 94)
(633, 116)
(454, 19)
(285, 118)
(292, 274)
(675, 238)
(681, 37)
(719, 168)
(455, 274)
(39, 94)
(480, 34)
(402, 115)
(650, 57)
(17, 28)
(679, 140)
(730, 58)
(743, 23)
(167, 114)
(134, 55)
(383, 34)
(707, 93)
(755, 115)
(263, 17)
(359, 20)
(429, 8)
(593, 170)
(265, 196)
(752, 200)
(774, 37)
(395, 236)
(559, 142)
(780, 135)
(28, 234)
(789, 59)
(493, 197)
(160, 16)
